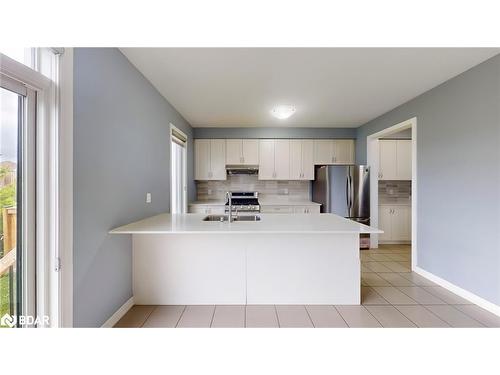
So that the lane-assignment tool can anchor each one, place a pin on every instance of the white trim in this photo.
(66, 187)
(23, 73)
(28, 205)
(475, 299)
(113, 319)
(372, 147)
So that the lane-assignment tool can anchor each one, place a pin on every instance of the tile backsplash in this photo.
(207, 190)
(394, 190)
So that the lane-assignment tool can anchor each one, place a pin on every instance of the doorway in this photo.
(390, 188)
(178, 168)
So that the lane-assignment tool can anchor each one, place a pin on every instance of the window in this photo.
(17, 204)
(34, 222)
(178, 189)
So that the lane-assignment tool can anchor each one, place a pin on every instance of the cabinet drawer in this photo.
(306, 210)
(276, 209)
(200, 209)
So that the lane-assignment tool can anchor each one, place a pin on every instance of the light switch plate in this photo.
(148, 197)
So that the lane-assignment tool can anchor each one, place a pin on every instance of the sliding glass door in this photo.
(17, 279)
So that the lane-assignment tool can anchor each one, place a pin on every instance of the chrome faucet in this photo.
(229, 206)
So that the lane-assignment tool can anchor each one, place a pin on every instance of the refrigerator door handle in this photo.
(348, 195)
(351, 193)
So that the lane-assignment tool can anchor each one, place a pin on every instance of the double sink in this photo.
(223, 218)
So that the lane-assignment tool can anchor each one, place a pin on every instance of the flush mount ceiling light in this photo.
(283, 111)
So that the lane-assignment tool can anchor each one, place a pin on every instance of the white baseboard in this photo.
(119, 314)
(481, 302)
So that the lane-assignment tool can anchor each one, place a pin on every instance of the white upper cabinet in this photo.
(334, 151)
(282, 159)
(343, 151)
(210, 159)
(274, 159)
(387, 160)
(250, 151)
(323, 151)
(395, 159)
(266, 159)
(301, 159)
(202, 159)
(242, 152)
(403, 157)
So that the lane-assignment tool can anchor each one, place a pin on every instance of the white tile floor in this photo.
(391, 295)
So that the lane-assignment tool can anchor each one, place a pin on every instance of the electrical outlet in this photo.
(148, 197)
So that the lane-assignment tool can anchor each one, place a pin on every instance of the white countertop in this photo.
(270, 223)
(396, 202)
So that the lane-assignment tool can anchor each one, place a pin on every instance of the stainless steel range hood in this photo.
(242, 169)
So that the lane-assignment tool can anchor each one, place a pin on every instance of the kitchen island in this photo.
(280, 259)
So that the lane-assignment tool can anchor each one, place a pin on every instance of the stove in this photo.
(244, 201)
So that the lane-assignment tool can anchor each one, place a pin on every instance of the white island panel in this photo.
(188, 270)
(303, 269)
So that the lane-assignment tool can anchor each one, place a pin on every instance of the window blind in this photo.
(178, 137)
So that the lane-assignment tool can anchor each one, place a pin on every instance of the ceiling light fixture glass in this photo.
(283, 111)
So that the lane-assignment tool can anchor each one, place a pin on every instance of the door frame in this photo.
(372, 146)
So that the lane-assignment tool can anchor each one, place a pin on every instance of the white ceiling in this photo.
(330, 87)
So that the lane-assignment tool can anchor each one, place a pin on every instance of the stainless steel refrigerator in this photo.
(344, 190)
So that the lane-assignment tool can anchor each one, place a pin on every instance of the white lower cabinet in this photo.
(276, 209)
(306, 210)
(395, 221)
(284, 209)
(204, 209)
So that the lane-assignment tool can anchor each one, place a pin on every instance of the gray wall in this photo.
(275, 132)
(458, 171)
(121, 151)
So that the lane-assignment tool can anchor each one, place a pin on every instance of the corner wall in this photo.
(458, 174)
(121, 152)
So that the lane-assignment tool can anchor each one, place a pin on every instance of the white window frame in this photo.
(54, 178)
(26, 206)
(184, 171)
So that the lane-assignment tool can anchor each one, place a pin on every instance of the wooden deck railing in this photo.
(7, 261)
(9, 216)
